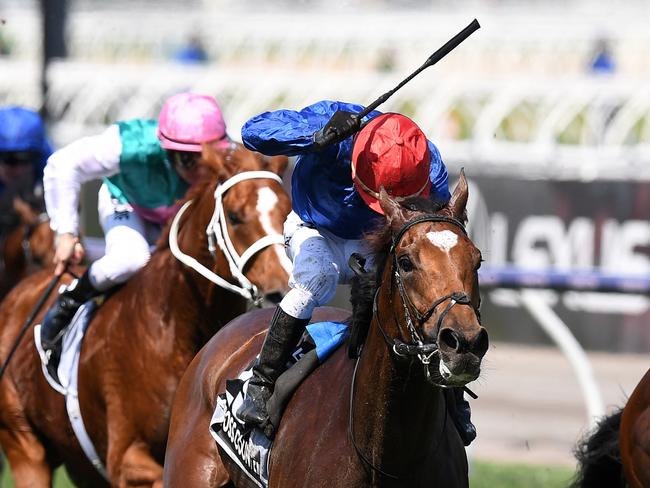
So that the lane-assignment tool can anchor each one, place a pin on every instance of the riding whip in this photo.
(450, 45)
(343, 124)
(28, 322)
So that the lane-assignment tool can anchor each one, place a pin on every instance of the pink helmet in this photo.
(188, 120)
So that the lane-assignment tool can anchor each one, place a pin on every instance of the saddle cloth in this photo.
(68, 373)
(249, 448)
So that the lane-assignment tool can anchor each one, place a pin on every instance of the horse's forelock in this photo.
(379, 241)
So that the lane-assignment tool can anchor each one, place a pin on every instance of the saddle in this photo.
(71, 340)
(247, 447)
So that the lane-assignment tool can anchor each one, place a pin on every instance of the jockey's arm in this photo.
(84, 160)
(438, 175)
(290, 132)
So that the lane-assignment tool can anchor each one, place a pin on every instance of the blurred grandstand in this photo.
(547, 107)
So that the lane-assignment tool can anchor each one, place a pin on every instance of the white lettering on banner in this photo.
(545, 242)
(619, 247)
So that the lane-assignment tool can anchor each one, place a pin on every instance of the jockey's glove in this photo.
(338, 128)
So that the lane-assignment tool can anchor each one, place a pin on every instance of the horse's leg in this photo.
(27, 458)
(139, 468)
(130, 463)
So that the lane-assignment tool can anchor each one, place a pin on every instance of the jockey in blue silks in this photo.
(335, 201)
(24, 149)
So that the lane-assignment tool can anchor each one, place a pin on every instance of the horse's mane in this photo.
(364, 285)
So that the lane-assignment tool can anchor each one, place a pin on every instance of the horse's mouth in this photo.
(458, 371)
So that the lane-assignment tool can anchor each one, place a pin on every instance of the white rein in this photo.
(217, 230)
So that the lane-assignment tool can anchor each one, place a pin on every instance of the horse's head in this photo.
(432, 268)
(242, 206)
(37, 238)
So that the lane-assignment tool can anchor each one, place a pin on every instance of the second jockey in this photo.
(335, 187)
(24, 148)
(146, 166)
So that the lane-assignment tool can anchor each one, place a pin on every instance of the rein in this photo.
(217, 230)
(417, 348)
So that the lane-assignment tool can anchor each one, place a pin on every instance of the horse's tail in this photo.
(599, 456)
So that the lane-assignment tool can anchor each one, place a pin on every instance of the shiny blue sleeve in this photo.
(290, 132)
(439, 178)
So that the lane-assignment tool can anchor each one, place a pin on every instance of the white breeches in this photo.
(128, 238)
(320, 262)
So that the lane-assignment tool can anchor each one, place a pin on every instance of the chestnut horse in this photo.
(381, 420)
(145, 334)
(27, 247)
(617, 454)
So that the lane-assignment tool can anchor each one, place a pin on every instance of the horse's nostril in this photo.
(480, 345)
(448, 337)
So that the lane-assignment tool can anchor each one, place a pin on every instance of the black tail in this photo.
(599, 456)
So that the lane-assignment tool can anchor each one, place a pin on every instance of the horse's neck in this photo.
(398, 416)
(193, 307)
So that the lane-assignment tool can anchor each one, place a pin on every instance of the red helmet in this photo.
(390, 151)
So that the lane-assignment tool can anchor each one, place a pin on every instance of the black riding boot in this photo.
(461, 414)
(283, 335)
(59, 316)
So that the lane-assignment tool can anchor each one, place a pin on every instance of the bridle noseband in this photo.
(217, 230)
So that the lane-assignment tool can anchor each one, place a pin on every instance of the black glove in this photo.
(339, 127)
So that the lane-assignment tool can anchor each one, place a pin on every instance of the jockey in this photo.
(335, 200)
(24, 148)
(146, 166)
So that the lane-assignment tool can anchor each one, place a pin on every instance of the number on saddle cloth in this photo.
(250, 448)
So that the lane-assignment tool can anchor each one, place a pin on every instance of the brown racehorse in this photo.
(142, 338)
(390, 401)
(26, 248)
(617, 454)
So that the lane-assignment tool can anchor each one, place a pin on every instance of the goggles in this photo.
(18, 158)
(185, 159)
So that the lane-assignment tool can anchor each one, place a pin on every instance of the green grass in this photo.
(497, 475)
(483, 475)
(61, 479)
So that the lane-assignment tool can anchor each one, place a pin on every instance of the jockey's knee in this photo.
(304, 297)
(117, 268)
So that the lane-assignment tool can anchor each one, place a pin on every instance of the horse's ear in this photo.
(394, 212)
(24, 211)
(212, 158)
(276, 164)
(458, 200)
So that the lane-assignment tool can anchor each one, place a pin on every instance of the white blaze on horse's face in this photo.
(444, 239)
(266, 202)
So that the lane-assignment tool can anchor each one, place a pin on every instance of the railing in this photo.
(580, 129)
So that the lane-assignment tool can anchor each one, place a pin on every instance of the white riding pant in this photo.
(320, 262)
(128, 238)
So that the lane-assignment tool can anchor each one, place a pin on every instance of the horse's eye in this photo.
(234, 218)
(405, 264)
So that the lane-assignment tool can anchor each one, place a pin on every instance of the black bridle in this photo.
(417, 348)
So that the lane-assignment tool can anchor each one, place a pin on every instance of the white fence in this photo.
(584, 128)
